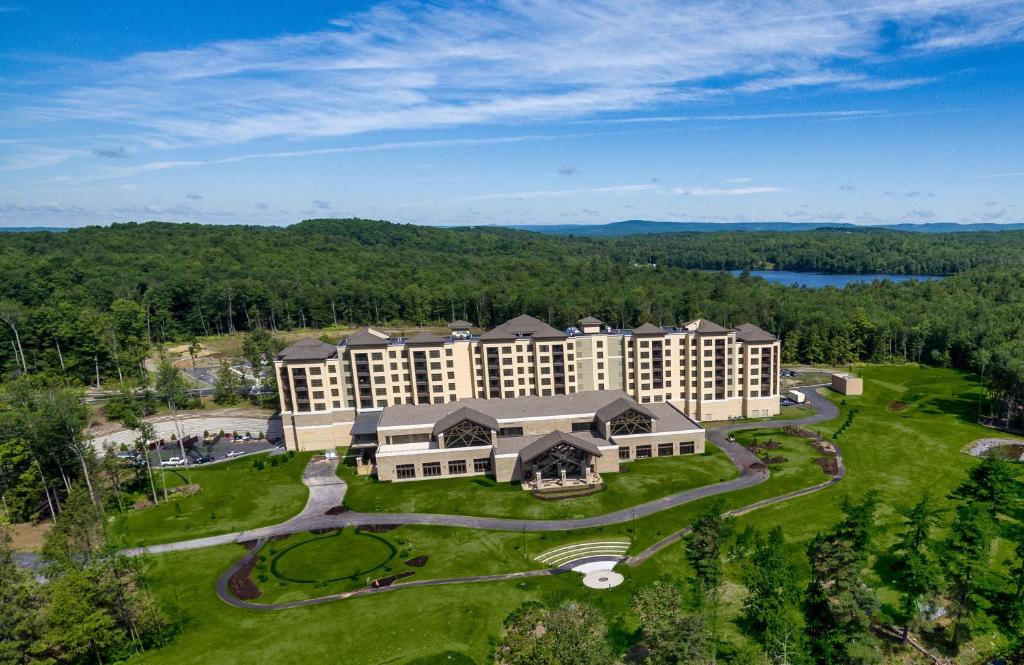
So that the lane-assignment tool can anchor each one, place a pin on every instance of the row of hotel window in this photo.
(433, 469)
(483, 464)
(663, 450)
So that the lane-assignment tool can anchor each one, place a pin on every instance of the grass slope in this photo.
(234, 496)
(644, 481)
(900, 454)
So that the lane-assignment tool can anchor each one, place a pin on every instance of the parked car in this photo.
(234, 453)
(174, 461)
(202, 459)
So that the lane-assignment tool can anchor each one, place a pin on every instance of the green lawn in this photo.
(900, 454)
(307, 565)
(644, 481)
(234, 496)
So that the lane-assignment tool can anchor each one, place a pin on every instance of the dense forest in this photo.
(90, 302)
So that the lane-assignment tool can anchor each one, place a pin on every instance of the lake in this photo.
(817, 280)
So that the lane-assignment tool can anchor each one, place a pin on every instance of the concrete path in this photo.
(312, 517)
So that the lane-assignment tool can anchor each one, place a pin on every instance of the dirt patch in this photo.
(379, 528)
(320, 532)
(240, 584)
(278, 537)
(249, 544)
(897, 405)
(336, 510)
(756, 466)
(828, 465)
(391, 579)
(28, 537)
(417, 562)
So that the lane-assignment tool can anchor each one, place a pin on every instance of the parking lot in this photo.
(199, 452)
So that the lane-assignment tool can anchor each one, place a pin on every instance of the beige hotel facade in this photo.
(518, 383)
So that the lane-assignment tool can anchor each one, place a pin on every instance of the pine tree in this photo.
(965, 563)
(228, 386)
(20, 624)
(772, 597)
(917, 573)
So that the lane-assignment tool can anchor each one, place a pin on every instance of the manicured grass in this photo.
(899, 454)
(234, 496)
(644, 480)
(307, 565)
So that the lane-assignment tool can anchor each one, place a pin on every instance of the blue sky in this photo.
(519, 111)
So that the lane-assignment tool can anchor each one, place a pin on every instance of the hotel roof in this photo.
(425, 337)
(522, 326)
(459, 324)
(705, 327)
(308, 349)
(648, 329)
(586, 404)
(590, 321)
(748, 332)
(366, 337)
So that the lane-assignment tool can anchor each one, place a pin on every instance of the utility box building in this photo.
(847, 384)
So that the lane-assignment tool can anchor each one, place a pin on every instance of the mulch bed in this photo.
(241, 585)
(379, 528)
(280, 536)
(828, 465)
(778, 459)
(250, 544)
(391, 579)
(320, 532)
(756, 466)
(337, 510)
(897, 405)
(417, 562)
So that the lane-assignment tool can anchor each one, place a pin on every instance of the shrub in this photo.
(273, 461)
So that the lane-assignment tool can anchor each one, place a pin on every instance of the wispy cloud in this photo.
(405, 65)
(552, 193)
(718, 191)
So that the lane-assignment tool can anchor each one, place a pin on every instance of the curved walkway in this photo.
(743, 459)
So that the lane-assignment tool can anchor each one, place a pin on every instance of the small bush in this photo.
(273, 461)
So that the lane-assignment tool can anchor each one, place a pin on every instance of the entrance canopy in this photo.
(549, 441)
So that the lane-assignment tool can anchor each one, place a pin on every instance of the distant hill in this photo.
(31, 229)
(645, 227)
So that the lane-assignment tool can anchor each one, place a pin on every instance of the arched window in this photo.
(630, 421)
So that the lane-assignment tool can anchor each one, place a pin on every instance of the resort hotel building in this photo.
(523, 401)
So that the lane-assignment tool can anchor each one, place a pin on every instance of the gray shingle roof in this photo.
(308, 349)
(459, 324)
(464, 413)
(583, 404)
(648, 329)
(366, 337)
(522, 326)
(546, 442)
(620, 406)
(748, 332)
(705, 327)
(590, 321)
(425, 337)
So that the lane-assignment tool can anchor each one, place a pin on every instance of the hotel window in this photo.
(318, 394)
(686, 448)
(664, 449)
(510, 431)
(377, 356)
(435, 354)
(332, 369)
(582, 427)
(404, 471)
(314, 371)
(431, 469)
(456, 467)
(336, 405)
(482, 465)
(643, 452)
(623, 452)
(334, 392)
(320, 407)
(447, 352)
